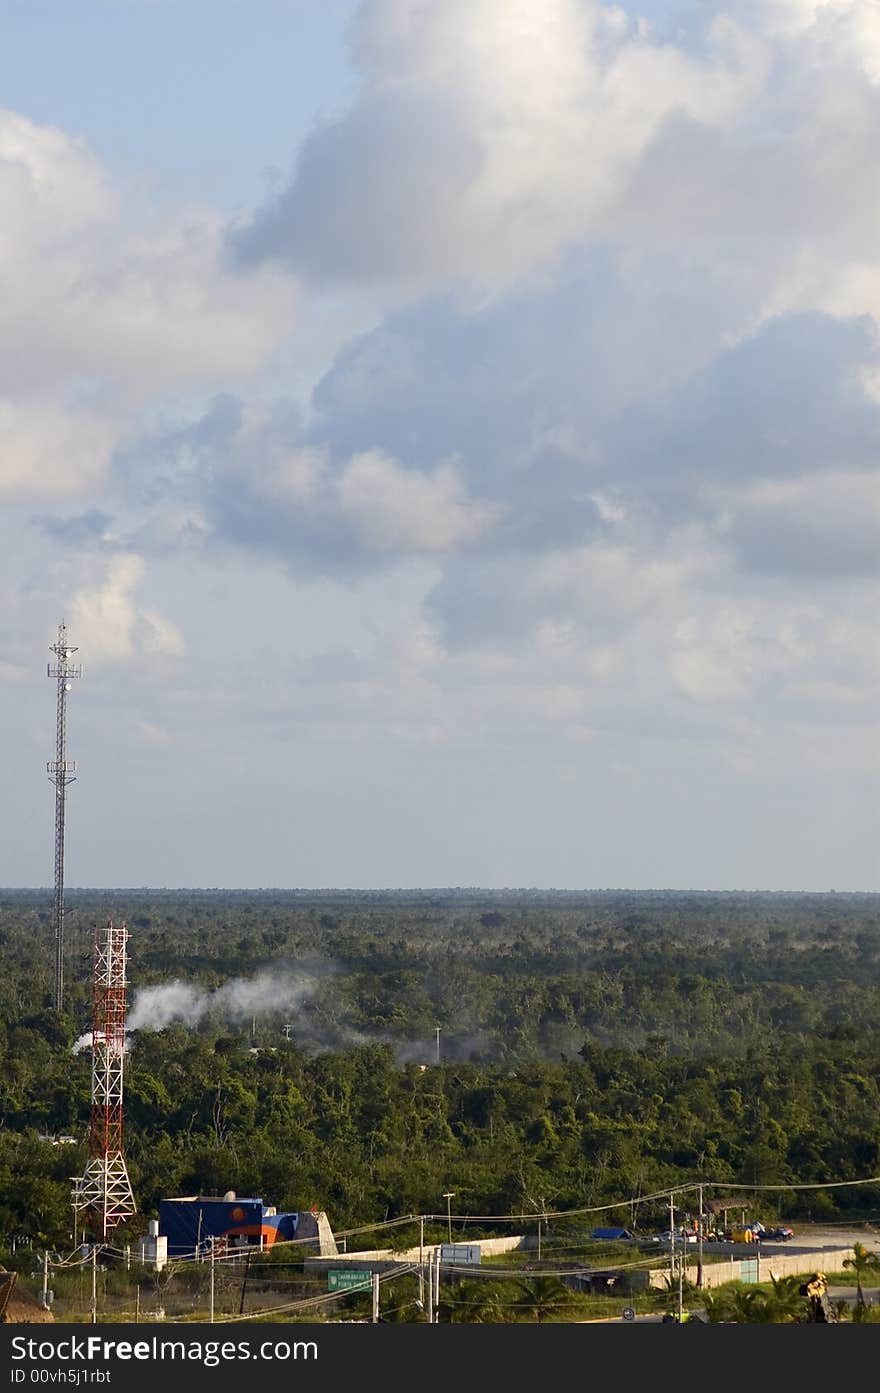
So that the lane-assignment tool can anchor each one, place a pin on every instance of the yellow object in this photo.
(742, 1235)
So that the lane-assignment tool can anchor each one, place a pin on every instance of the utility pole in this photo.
(211, 1287)
(421, 1262)
(437, 1028)
(671, 1240)
(375, 1285)
(62, 772)
(45, 1301)
(244, 1281)
(437, 1287)
(94, 1284)
(431, 1290)
(539, 1240)
(700, 1237)
(449, 1196)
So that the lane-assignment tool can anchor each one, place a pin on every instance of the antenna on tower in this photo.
(104, 1187)
(61, 771)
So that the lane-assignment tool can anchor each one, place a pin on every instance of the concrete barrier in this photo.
(747, 1265)
(742, 1262)
(383, 1258)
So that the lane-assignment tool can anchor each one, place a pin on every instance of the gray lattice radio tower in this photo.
(62, 771)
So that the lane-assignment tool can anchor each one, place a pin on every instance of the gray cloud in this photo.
(790, 398)
(381, 166)
(531, 454)
(818, 527)
(87, 527)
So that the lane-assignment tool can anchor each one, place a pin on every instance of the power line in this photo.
(315, 1301)
(194, 1256)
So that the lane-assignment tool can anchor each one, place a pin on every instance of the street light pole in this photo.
(671, 1240)
(449, 1196)
(671, 1244)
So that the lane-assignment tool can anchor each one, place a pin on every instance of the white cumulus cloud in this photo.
(105, 305)
(110, 625)
(395, 509)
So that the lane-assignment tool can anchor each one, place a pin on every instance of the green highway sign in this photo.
(349, 1279)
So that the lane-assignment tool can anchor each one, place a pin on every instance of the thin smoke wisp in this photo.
(240, 999)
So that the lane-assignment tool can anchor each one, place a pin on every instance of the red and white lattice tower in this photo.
(102, 1194)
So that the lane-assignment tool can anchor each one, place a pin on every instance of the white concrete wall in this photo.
(489, 1247)
(715, 1274)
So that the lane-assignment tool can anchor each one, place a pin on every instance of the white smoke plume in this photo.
(291, 994)
(86, 1041)
(156, 1007)
(237, 1000)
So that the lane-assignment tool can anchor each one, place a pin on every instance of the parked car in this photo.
(778, 1235)
(682, 1236)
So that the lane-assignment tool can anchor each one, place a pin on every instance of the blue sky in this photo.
(203, 98)
(450, 432)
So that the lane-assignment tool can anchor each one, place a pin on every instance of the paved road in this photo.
(871, 1294)
(811, 1236)
(807, 1238)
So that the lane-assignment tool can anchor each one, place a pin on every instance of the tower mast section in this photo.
(104, 1190)
(62, 772)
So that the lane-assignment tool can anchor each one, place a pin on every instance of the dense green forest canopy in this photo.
(591, 1046)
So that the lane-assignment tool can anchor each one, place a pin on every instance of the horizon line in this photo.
(430, 890)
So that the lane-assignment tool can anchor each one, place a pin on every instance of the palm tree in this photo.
(862, 1263)
(475, 1303)
(785, 1305)
(717, 1305)
(751, 1306)
(688, 1291)
(865, 1315)
(546, 1296)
